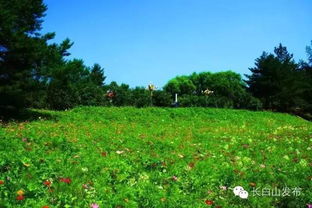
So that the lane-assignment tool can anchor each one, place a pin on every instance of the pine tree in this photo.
(97, 75)
(274, 80)
(27, 61)
(21, 48)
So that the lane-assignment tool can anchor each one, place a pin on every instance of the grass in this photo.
(155, 157)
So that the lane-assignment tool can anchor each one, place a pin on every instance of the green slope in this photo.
(156, 157)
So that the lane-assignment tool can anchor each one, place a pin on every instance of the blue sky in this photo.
(142, 41)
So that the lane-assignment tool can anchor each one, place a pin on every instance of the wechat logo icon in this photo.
(239, 191)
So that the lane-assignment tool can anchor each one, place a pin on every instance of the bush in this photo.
(162, 98)
(141, 97)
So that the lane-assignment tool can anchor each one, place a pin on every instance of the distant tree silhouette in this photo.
(274, 80)
(306, 76)
(97, 75)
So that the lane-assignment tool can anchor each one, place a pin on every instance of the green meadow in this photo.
(155, 157)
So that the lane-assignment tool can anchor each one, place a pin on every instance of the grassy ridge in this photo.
(155, 157)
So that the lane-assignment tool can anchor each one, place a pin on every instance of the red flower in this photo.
(104, 154)
(65, 180)
(209, 202)
(110, 94)
(20, 197)
(1, 182)
(46, 206)
(47, 183)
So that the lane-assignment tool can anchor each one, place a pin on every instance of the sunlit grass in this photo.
(155, 157)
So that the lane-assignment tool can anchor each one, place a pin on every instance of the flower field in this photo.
(156, 157)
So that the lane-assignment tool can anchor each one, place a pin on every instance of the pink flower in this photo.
(94, 205)
(174, 178)
(309, 205)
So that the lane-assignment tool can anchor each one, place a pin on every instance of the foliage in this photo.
(154, 157)
(141, 97)
(122, 94)
(74, 84)
(25, 55)
(181, 85)
(20, 48)
(309, 53)
(34, 73)
(138, 96)
(229, 90)
(273, 79)
(37, 74)
(306, 78)
(279, 82)
(97, 75)
(161, 98)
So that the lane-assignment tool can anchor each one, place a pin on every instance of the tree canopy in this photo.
(279, 82)
(37, 73)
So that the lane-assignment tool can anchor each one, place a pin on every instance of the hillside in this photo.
(155, 157)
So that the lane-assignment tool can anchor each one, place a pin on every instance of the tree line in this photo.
(35, 73)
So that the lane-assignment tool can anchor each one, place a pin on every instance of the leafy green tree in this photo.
(140, 97)
(162, 98)
(62, 89)
(202, 81)
(121, 94)
(75, 84)
(51, 59)
(91, 90)
(229, 90)
(181, 85)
